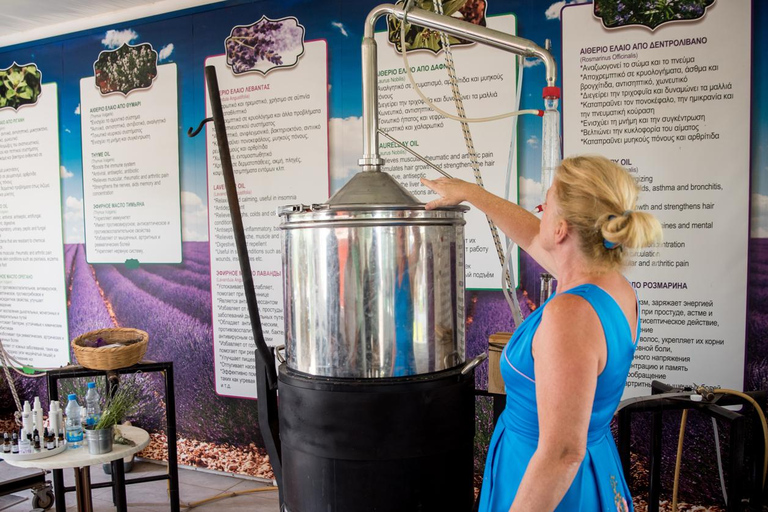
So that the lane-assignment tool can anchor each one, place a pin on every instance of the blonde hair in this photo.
(597, 198)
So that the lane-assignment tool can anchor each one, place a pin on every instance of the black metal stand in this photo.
(267, 406)
(119, 481)
(499, 402)
(737, 422)
(266, 374)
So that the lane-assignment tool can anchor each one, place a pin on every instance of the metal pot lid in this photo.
(368, 194)
(336, 209)
(373, 187)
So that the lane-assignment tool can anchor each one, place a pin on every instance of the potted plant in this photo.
(123, 401)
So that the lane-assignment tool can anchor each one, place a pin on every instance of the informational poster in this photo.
(277, 126)
(33, 296)
(487, 80)
(672, 105)
(131, 191)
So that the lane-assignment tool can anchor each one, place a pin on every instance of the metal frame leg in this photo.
(83, 489)
(654, 486)
(625, 441)
(58, 490)
(499, 404)
(79, 489)
(756, 495)
(736, 468)
(114, 489)
(173, 464)
(86, 472)
(118, 485)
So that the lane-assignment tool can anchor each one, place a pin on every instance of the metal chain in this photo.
(449, 65)
(11, 384)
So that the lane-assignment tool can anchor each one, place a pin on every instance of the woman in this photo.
(566, 366)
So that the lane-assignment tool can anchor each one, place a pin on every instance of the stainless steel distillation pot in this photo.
(374, 283)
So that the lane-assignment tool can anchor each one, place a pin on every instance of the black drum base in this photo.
(394, 445)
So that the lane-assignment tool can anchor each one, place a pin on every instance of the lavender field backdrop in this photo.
(173, 304)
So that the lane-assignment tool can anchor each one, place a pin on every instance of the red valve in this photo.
(551, 93)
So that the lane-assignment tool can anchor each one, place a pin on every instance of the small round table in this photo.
(80, 460)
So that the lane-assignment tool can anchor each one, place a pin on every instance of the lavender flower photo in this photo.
(648, 13)
(265, 45)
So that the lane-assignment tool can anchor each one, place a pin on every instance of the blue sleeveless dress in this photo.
(599, 485)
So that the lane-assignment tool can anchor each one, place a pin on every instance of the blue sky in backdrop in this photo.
(186, 39)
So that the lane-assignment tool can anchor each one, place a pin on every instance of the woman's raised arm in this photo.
(515, 221)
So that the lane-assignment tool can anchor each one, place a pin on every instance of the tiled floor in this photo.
(194, 486)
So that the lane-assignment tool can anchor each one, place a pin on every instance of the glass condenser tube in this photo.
(550, 141)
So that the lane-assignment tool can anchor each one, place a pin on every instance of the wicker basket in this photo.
(133, 347)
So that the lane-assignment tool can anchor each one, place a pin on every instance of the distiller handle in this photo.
(473, 363)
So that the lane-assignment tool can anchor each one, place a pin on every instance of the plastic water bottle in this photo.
(74, 427)
(92, 406)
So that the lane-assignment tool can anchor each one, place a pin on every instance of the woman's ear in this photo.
(561, 231)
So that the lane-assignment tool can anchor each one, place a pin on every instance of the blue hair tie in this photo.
(610, 245)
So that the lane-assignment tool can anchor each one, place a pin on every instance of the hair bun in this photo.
(597, 197)
(613, 229)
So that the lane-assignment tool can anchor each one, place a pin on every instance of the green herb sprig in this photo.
(19, 85)
(123, 402)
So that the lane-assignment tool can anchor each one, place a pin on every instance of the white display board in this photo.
(277, 127)
(33, 295)
(131, 188)
(487, 82)
(673, 106)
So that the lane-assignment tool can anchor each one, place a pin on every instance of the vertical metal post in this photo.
(736, 464)
(86, 490)
(59, 494)
(625, 441)
(173, 461)
(114, 490)
(53, 382)
(83, 488)
(756, 495)
(118, 484)
(654, 487)
(269, 423)
(237, 222)
(370, 160)
(266, 376)
(499, 404)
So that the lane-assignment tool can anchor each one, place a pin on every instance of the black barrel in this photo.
(385, 445)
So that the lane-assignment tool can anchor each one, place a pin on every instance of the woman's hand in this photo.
(518, 224)
(452, 191)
